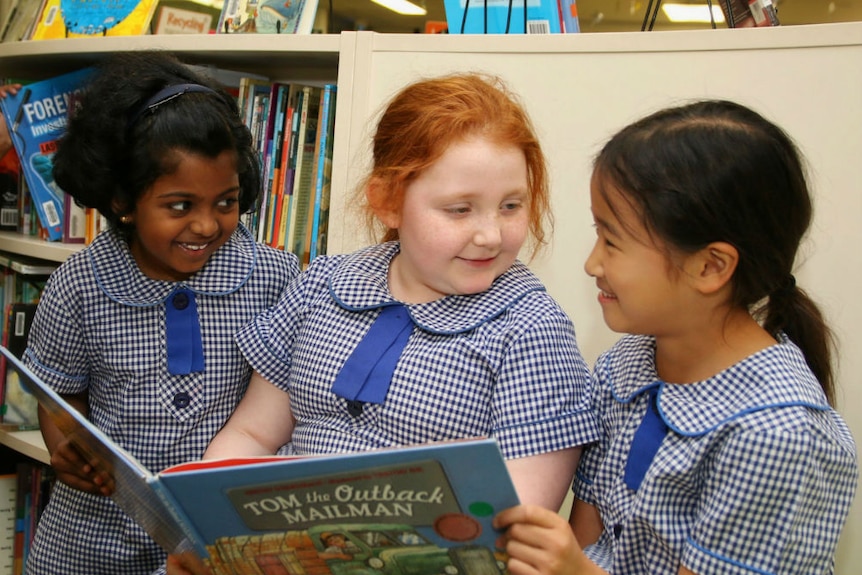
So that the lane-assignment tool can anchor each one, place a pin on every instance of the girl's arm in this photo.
(586, 522)
(544, 479)
(260, 425)
(68, 463)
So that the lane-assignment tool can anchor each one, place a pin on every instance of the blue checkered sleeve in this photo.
(541, 400)
(782, 492)
(57, 334)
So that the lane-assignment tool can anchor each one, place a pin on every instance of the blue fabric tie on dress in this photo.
(367, 373)
(183, 334)
(645, 444)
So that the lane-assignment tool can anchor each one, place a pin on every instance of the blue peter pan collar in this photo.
(118, 276)
(775, 377)
(360, 283)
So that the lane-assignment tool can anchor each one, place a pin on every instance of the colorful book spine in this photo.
(569, 11)
(315, 241)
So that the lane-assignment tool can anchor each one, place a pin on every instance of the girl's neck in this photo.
(709, 350)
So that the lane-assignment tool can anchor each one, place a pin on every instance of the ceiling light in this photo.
(691, 13)
(402, 7)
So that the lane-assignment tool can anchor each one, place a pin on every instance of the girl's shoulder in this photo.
(773, 388)
(273, 258)
(80, 266)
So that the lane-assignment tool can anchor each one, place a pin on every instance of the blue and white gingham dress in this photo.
(755, 475)
(100, 329)
(502, 363)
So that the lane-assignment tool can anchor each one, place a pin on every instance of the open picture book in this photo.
(414, 510)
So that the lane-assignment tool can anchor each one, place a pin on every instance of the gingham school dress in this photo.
(755, 475)
(502, 363)
(100, 328)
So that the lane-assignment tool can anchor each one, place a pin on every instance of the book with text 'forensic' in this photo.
(36, 117)
(421, 509)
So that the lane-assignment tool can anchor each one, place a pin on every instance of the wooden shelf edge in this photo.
(29, 443)
(37, 248)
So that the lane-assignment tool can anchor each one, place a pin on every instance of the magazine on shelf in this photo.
(93, 18)
(415, 509)
(503, 17)
(17, 405)
(267, 17)
(36, 118)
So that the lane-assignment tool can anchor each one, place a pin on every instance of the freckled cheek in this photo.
(515, 234)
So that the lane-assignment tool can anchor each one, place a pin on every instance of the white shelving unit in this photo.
(33, 247)
(578, 88)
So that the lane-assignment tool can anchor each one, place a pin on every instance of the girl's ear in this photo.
(380, 200)
(118, 208)
(714, 266)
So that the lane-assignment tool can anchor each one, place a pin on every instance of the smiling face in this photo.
(185, 216)
(641, 290)
(462, 223)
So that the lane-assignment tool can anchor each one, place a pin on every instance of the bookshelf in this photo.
(34, 247)
(578, 88)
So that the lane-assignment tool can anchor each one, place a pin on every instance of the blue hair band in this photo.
(165, 95)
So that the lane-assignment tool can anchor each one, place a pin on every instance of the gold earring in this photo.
(126, 219)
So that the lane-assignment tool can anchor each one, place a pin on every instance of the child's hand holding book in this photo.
(76, 471)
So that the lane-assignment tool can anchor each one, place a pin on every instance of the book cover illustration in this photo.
(88, 18)
(267, 17)
(36, 117)
(18, 405)
(502, 17)
(417, 510)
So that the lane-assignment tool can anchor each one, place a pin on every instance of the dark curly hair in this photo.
(110, 154)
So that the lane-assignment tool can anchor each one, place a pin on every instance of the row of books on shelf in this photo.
(292, 123)
(51, 19)
(24, 491)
